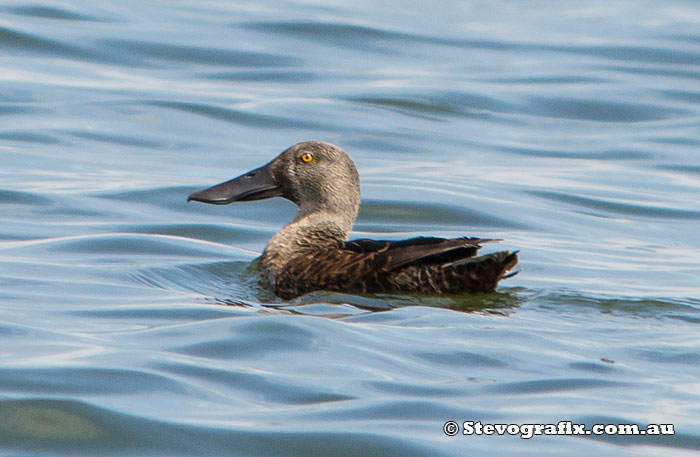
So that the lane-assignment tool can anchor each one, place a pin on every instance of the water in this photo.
(131, 323)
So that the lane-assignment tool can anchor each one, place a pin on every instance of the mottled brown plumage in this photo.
(311, 253)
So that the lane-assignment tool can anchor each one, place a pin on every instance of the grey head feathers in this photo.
(321, 179)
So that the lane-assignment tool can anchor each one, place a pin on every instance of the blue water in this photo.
(131, 323)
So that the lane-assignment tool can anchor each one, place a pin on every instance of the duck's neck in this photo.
(308, 232)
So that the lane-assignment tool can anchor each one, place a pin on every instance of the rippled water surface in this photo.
(132, 324)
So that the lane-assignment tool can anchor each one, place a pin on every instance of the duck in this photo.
(313, 253)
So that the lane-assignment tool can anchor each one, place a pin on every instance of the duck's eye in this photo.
(307, 158)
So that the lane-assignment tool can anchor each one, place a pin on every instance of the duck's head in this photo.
(317, 176)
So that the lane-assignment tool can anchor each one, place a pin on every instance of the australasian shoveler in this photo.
(312, 252)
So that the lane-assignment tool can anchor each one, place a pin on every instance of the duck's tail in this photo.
(482, 273)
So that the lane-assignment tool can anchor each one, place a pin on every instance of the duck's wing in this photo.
(391, 255)
(429, 265)
(361, 266)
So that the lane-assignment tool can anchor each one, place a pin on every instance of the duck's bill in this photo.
(255, 185)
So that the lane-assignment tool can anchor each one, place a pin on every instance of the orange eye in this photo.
(307, 157)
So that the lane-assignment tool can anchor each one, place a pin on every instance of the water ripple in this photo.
(461, 358)
(622, 154)
(112, 246)
(25, 198)
(649, 54)
(147, 51)
(260, 386)
(51, 12)
(24, 422)
(213, 279)
(122, 140)
(376, 39)
(251, 340)
(364, 37)
(72, 380)
(10, 109)
(652, 70)
(607, 207)
(555, 385)
(25, 42)
(277, 75)
(601, 110)
(239, 116)
(441, 104)
(381, 213)
(29, 137)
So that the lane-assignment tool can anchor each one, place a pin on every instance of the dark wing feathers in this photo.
(423, 250)
(429, 265)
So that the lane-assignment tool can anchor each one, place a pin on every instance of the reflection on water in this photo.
(134, 323)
